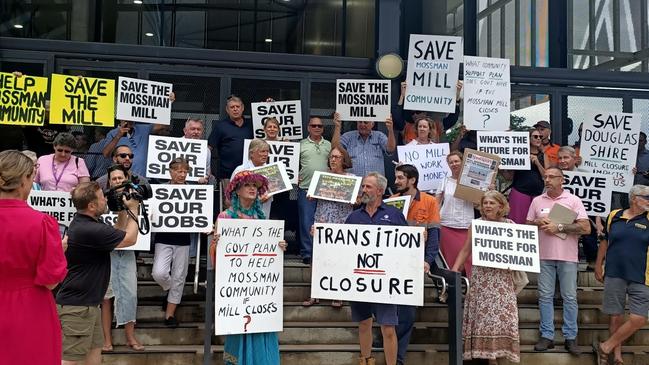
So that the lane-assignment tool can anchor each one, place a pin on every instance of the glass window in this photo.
(483, 33)
(525, 33)
(541, 35)
(495, 34)
(579, 106)
(630, 19)
(126, 29)
(256, 90)
(510, 30)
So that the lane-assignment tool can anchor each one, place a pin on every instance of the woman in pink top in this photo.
(61, 171)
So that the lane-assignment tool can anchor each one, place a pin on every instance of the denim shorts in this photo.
(385, 314)
(615, 293)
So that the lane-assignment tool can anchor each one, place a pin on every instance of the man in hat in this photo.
(550, 150)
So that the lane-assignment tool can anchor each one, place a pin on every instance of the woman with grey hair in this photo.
(258, 151)
(60, 171)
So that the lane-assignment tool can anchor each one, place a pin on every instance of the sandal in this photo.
(311, 301)
(602, 357)
(135, 346)
(337, 303)
(107, 348)
(618, 362)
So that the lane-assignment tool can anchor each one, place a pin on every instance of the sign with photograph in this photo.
(513, 148)
(486, 93)
(22, 99)
(430, 161)
(275, 173)
(288, 153)
(363, 100)
(288, 114)
(334, 187)
(400, 202)
(143, 101)
(479, 170)
(505, 246)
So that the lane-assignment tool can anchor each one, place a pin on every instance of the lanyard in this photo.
(57, 179)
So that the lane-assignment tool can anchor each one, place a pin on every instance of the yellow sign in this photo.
(22, 99)
(82, 101)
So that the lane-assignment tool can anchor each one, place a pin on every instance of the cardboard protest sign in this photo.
(430, 161)
(143, 242)
(22, 99)
(505, 246)
(182, 208)
(58, 204)
(363, 100)
(79, 100)
(143, 101)
(335, 187)
(163, 150)
(486, 93)
(288, 114)
(400, 202)
(609, 146)
(433, 67)
(275, 173)
(367, 263)
(479, 170)
(249, 277)
(594, 190)
(513, 148)
(287, 153)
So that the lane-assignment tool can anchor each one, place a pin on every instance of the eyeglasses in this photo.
(316, 125)
(536, 136)
(61, 150)
(125, 155)
(644, 197)
(335, 157)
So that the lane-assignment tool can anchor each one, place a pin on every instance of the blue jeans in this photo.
(567, 274)
(406, 315)
(306, 213)
(123, 279)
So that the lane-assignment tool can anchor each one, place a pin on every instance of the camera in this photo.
(130, 190)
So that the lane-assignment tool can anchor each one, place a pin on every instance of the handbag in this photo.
(520, 280)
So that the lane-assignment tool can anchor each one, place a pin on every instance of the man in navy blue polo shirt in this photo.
(374, 211)
(625, 247)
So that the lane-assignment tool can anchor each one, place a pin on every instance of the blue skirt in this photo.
(252, 349)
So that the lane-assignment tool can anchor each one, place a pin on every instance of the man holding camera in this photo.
(89, 242)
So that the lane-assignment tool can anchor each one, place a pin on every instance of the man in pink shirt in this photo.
(558, 258)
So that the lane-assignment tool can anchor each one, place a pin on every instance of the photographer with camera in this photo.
(90, 242)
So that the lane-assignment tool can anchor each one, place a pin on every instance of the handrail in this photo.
(453, 280)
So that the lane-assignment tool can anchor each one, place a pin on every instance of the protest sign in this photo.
(143, 101)
(143, 242)
(58, 204)
(594, 190)
(182, 208)
(288, 114)
(430, 161)
(505, 245)
(249, 277)
(275, 173)
(22, 99)
(479, 170)
(363, 100)
(287, 153)
(513, 148)
(334, 187)
(400, 202)
(433, 67)
(77, 100)
(367, 263)
(163, 150)
(609, 146)
(486, 93)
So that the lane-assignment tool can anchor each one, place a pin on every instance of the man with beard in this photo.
(136, 137)
(123, 155)
(374, 211)
(90, 243)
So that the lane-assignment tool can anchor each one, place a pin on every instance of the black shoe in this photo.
(544, 344)
(571, 346)
(164, 302)
(306, 260)
(171, 322)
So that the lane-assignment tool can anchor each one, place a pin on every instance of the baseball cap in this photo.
(542, 124)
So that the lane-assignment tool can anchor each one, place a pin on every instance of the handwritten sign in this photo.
(505, 246)
(249, 277)
(430, 161)
(287, 153)
(366, 263)
(594, 190)
(363, 100)
(22, 99)
(487, 93)
(82, 101)
(182, 208)
(288, 114)
(609, 146)
(513, 148)
(433, 67)
(163, 150)
(143, 101)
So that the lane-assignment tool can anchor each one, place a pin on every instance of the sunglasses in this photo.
(61, 150)
(536, 136)
(316, 125)
(125, 155)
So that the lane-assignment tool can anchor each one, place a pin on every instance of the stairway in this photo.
(325, 335)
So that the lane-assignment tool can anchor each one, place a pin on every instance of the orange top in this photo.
(424, 210)
(551, 154)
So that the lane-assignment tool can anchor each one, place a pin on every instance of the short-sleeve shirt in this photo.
(424, 210)
(67, 173)
(313, 157)
(90, 243)
(366, 154)
(455, 212)
(627, 254)
(138, 142)
(551, 152)
(228, 139)
(385, 215)
(551, 246)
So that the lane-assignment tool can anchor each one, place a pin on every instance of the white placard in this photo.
(487, 93)
(249, 277)
(363, 100)
(366, 263)
(400, 202)
(143, 242)
(513, 148)
(163, 150)
(430, 161)
(609, 146)
(288, 113)
(143, 101)
(58, 204)
(287, 153)
(594, 190)
(182, 208)
(275, 173)
(334, 187)
(433, 67)
(505, 245)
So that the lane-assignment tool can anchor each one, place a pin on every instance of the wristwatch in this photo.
(560, 227)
